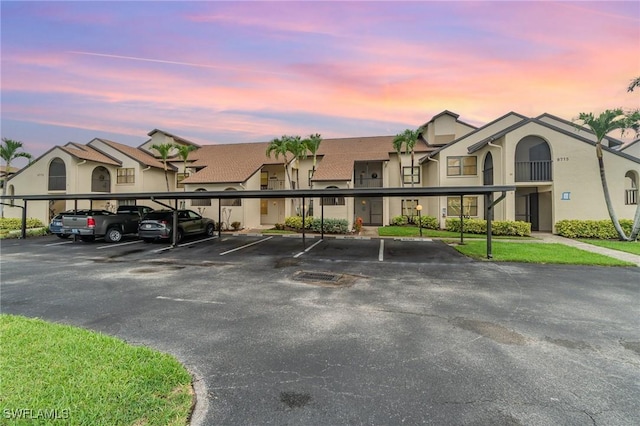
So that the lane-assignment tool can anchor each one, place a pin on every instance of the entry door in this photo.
(534, 211)
(376, 212)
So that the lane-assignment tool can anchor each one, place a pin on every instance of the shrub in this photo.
(357, 226)
(331, 226)
(601, 229)
(399, 220)
(11, 223)
(498, 227)
(235, 225)
(279, 226)
(428, 222)
(295, 222)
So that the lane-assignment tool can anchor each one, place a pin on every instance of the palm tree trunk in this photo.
(607, 197)
(4, 186)
(636, 225)
(166, 177)
(412, 168)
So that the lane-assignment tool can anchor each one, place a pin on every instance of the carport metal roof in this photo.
(441, 191)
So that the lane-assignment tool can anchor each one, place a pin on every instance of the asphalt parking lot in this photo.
(352, 331)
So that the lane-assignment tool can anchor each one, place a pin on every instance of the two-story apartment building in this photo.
(552, 165)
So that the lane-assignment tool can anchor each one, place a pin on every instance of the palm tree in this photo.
(408, 140)
(280, 147)
(298, 150)
(164, 149)
(9, 152)
(634, 83)
(183, 152)
(602, 125)
(312, 144)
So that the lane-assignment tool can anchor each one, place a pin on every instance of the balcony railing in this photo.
(631, 196)
(533, 171)
(273, 184)
(362, 182)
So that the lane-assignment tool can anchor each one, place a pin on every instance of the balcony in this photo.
(273, 184)
(630, 197)
(362, 182)
(533, 171)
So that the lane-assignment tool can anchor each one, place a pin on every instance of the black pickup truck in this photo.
(89, 224)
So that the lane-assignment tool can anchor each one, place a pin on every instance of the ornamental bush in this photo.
(498, 227)
(428, 222)
(13, 224)
(600, 229)
(331, 226)
(399, 220)
(295, 222)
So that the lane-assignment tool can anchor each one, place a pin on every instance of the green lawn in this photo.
(537, 253)
(414, 231)
(626, 246)
(277, 231)
(57, 374)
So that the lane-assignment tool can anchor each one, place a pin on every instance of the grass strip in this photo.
(632, 247)
(537, 253)
(58, 374)
(414, 231)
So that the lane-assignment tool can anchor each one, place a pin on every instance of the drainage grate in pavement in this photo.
(317, 276)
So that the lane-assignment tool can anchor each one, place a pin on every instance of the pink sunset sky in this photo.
(223, 72)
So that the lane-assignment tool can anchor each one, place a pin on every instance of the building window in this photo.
(462, 166)
(126, 176)
(231, 202)
(332, 201)
(57, 175)
(469, 206)
(409, 208)
(179, 178)
(200, 202)
(407, 174)
(631, 188)
(264, 207)
(100, 180)
(130, 202)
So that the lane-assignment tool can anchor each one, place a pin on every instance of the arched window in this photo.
(487, 170)
(533, 160)
(100, 180)
(57, 175)
(631, 188)
(201, 202)
(332, 201)
(231, 202)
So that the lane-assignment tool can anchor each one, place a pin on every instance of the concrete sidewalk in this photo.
(551, 238)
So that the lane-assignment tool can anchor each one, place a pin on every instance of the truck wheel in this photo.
(88, 238)
(113, 235)
(209, 230)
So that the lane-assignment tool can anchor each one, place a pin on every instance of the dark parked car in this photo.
(55, 227)
(157, 225)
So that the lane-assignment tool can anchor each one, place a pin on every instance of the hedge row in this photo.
(428, 222)
(601, 229)
(10, 223)
(498, 227)
(331, 226)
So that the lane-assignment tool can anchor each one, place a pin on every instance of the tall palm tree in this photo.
(312, 144)
(280, 147)
(298, 150)
(634, 83)
(164, 149)
(9, 151)
(183, 152)
(408, 140)
(602, 125)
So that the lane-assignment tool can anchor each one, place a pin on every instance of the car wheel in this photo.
(63, 236)
(88, 238)
(179, 236)
(113, 235)
(209, 230)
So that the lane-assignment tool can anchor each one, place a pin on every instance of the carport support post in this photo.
(219, 219)
(461, 220)
(489, 212)
(321, 219)
(23, 227)
(303, 241)
(174, 226)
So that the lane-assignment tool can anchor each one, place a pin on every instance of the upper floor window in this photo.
(100, 180)
(532, 160)
(411, 175)
(462, 166)
(179, 178)
(631, 188)
(201, 202)
(57, 175)
(332, 201)
(126, 175)
(409, 208)
(231, 202)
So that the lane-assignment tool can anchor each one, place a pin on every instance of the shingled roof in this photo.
(136, 154)
(85, 152)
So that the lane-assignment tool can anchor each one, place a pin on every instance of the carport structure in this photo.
(162, 198)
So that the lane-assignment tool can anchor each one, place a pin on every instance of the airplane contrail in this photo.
(187, 64)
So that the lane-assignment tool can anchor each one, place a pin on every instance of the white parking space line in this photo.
(245, 246)
(381, 251)
(308, 249)
(185, 244)
(176, 299)
(118, 245)
(58, 244)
